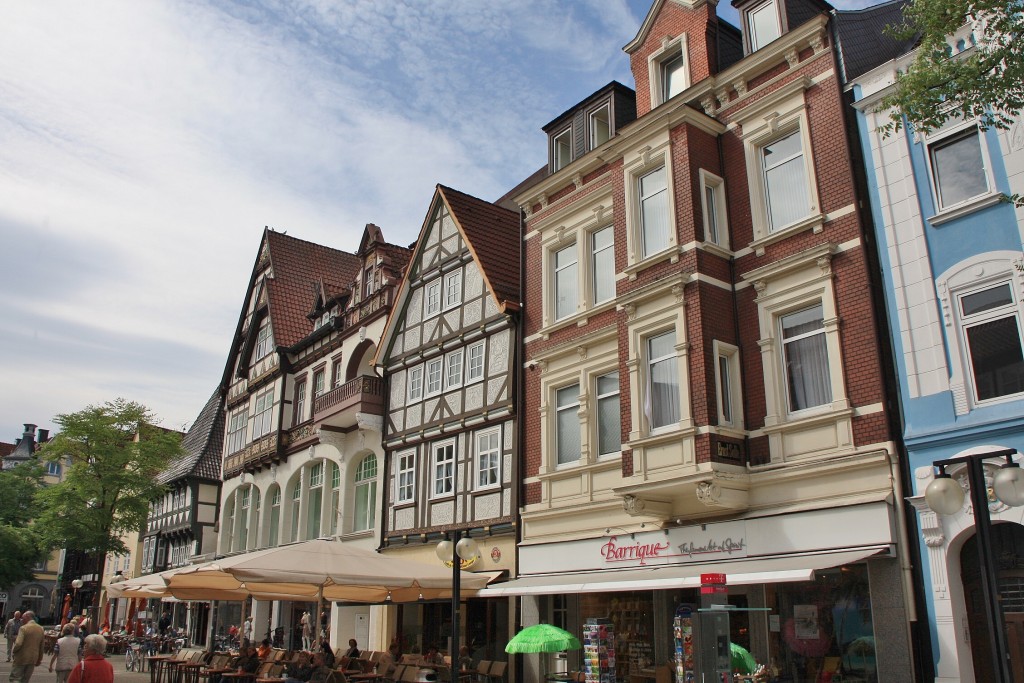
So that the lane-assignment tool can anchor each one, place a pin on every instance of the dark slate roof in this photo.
(202, 446)
(507, 199)
(493, 236)
(298, 266)
(863, 41)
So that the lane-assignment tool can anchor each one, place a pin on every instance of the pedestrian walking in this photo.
(65, 653)
(94, 667)
(27, 650)
(11, 632)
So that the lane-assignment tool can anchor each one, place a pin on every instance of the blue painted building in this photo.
(952, 271)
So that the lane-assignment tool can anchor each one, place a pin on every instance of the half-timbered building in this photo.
(304, 408)
(449, 354)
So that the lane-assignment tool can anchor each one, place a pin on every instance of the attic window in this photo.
(600, 126)
(561, 150)
(264, 341)
(368, 282)
(669, 71)
(324, 319)
(762, 22)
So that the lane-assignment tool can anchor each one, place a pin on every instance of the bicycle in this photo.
(134, 659)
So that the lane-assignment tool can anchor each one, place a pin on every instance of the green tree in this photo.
(112, 454)
(20, 545)
(985, 81)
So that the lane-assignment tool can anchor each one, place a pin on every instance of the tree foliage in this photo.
(111, 454)
(983, 82)
(20, 546)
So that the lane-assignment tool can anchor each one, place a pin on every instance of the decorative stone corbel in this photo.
(818, 42)
(582, 351)
(708, 104)
(825, 264)
(792, 57)
(543, 200)
(645, 155)
(740, 86)
(577, 180)
(630, 310)
(599, 212)
(760, 286)
(722, 96)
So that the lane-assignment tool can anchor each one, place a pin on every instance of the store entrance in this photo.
(1008, 549)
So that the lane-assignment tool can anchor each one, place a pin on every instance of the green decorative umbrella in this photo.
(542, 638)
(741, 660)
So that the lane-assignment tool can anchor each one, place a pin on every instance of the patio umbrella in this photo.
(542, 638)
(325, 569)
(740, 659)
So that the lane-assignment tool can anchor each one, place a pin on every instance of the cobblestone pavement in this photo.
(41, 675)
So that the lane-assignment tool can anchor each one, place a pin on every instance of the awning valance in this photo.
(775, 569)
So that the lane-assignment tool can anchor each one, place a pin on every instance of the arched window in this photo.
(315, 505)
(243, 517)
(274, 521)
(366, 494)
(228, 530)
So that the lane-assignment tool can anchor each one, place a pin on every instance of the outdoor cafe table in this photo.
(157, 667)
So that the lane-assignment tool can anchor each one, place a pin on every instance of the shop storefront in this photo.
(810, 594)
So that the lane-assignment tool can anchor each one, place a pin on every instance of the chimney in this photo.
(44, 436)
(29, 437)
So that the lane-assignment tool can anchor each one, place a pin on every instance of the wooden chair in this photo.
(396, 675)
(482, 669)
(496, 674)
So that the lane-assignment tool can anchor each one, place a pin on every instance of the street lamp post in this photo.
(455, 555)
(76, 584)
(116, 579)
(946, 497)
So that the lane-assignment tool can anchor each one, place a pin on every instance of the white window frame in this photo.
(593, 130)
(337, 374)
(782, 114)
(649, 365)
(368, 480)
(943, 137)
(784, 343)
(716, 223)
(474, 371)
(753, 43)
(428, 368)
(405, 477)
(598, 398)
(645, 250)
(452, 289)
(636, 165)
(319, 382)
(488, 458)
(264, 341)
(670, 50)
(453, 370)
(573, 268)
(238, 427)
(263, 414)
(300, 403)
(728, 387)
(432, 298)
(594, 254)
(965, 322)
(415, 392)
(559, 408)
(560, 141)
(442, 470)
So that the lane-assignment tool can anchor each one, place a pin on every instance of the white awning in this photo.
(781, 568)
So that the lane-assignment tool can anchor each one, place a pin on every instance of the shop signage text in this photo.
(615, 550)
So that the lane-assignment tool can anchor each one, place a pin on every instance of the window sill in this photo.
(970, 206)
(661, 437)
(809, 417)
(579, 319)
(670, 254)
(814, 223)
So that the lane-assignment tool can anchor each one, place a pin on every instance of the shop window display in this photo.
(823, 628)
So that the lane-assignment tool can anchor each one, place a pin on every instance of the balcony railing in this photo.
(339, 406)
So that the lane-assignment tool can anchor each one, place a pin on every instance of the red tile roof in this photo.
(298, 267)
(493, 236)
(6, 449)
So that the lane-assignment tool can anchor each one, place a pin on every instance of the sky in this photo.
(144, 145)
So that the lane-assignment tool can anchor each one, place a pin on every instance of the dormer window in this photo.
(561, 150)
(763, 25)
(264, 341)
(368, 282)
(669, 71)
(324, 319)
(600, 126)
